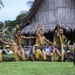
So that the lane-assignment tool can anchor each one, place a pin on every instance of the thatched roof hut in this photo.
(48, 13)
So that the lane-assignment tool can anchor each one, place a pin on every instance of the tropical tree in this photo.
(21, 16)
(1, 25)
(1, 3)
(30, 2)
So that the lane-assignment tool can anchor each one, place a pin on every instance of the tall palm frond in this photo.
(30, 2)
(1, 3)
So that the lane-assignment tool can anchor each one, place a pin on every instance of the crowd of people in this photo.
(43, 48)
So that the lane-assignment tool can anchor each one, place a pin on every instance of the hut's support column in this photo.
(74, 35)
(29, 42)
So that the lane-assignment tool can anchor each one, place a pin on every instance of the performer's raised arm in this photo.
(30, 37)
(35, 32)
(4, 42)
(49, 42)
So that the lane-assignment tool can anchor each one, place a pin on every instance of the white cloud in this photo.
(12, 9)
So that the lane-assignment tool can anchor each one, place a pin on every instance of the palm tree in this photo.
(1, 3)
(30, 2)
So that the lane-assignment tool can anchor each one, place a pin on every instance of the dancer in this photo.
(18, 37)
(60, 39)
(40, 41)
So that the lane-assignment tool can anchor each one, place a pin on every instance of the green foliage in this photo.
(8, 57)
(1, 25)
(10, 24)
(30, 3)
(20, 17)
(8, 35)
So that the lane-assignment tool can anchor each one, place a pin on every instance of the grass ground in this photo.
(37, 68)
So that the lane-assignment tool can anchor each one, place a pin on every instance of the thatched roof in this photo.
(48, 27)
(32, 11)
(31, 28)
(28, 24)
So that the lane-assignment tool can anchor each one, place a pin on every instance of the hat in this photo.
(18, 28)
(7, 45)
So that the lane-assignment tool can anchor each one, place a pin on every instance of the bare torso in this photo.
(39, 40)
(58, 40)
(18, 40)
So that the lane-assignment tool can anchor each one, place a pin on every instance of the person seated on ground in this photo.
(32, 54)
(16, 52)
(40, 41)
(48, 51)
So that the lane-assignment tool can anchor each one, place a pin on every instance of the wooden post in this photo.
(74, 55)
(29, 42)
(73, 35)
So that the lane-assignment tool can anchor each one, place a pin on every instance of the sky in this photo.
(12, 8)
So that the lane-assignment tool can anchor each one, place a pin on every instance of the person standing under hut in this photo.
(40, 41)
(1, 41)
(60, 41)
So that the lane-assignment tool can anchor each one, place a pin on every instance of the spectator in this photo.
(48, 51)
(32, 54)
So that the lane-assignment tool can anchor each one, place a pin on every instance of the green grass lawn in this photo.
(37, 68)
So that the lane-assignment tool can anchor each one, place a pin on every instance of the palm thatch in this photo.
(48, 13)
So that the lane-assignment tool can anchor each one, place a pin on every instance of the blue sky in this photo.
(12, 9)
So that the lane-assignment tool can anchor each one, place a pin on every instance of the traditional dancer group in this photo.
(39, 50)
